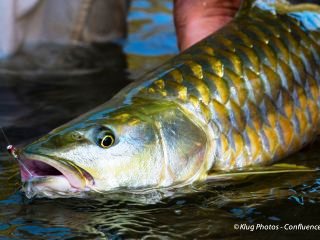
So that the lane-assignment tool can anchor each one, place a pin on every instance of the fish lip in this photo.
(78, 178)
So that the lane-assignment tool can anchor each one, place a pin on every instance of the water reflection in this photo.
(45, 98)
(203, 211)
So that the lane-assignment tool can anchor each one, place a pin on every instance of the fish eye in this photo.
(106, 140)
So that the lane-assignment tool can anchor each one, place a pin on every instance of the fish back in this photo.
(256, 82)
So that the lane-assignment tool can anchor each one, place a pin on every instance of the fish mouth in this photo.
(46, 176)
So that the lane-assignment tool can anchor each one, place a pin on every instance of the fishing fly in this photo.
(14, 153)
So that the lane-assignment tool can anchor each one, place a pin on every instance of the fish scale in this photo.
(236, 101)
(257, 79)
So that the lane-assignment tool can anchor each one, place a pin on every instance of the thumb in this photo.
(196, 19)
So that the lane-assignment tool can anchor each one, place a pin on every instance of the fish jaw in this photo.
(45, 176)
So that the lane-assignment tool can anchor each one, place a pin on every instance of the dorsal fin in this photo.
(280, 6)
(307, 12)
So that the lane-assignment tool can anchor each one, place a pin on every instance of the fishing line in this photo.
(5, 136)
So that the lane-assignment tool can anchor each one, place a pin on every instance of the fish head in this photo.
(136, 147)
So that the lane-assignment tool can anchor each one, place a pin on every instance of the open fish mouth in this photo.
(43, 176)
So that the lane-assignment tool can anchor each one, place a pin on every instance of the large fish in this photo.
(245, 96)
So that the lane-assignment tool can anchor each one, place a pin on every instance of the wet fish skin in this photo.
(257, 80)
(246, 96)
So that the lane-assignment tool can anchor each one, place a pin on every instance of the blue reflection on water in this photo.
(242, 212)
(274, 218)
(141, 4)
(13, 199)
(44, 231)
(156, 34)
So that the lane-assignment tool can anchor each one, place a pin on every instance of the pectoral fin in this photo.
(252, 171)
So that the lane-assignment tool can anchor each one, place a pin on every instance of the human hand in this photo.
(196, 19)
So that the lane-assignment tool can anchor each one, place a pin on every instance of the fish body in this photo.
(247, 95)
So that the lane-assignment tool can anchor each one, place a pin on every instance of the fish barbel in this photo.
(245, 96)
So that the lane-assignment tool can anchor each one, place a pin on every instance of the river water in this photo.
(36, 97)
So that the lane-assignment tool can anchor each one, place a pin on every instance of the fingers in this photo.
(196, 19)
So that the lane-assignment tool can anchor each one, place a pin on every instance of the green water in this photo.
(36, 97)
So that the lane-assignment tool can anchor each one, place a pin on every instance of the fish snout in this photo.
(53, 142)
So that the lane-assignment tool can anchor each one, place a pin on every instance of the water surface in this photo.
(35, 97)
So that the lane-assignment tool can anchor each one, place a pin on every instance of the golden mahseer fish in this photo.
(244, 97)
